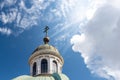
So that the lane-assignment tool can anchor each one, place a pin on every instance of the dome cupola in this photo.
(45, 59)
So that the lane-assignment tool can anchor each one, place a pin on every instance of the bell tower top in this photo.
(46, 38)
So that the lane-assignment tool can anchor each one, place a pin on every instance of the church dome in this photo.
(45, 63)
(54, 76)
(26, 77)
(46, 49)
(46, 46)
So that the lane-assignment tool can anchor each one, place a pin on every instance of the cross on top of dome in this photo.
(46, 38)
(46, 30)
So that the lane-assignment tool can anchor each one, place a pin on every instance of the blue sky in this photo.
(15, 52)
(86, 32)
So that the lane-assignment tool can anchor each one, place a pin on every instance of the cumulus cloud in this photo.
(99, 42)
(5, 31)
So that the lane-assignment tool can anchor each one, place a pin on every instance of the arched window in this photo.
(44, 66)
(55, 67)
(34, 68)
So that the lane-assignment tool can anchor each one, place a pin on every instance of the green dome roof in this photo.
(55, 76)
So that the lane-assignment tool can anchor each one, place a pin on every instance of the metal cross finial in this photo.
(46, 30)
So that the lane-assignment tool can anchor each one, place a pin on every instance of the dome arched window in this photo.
(34, 68)
(55, 67)
(44, 66)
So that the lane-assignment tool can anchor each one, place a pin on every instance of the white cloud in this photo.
(8, 18)
(7, 3)
(78, 39)
(69, 11)
(20, 15)
(5, 31)
(100, 48)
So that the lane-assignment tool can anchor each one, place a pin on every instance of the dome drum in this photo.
(51, 62)
(44, 52)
